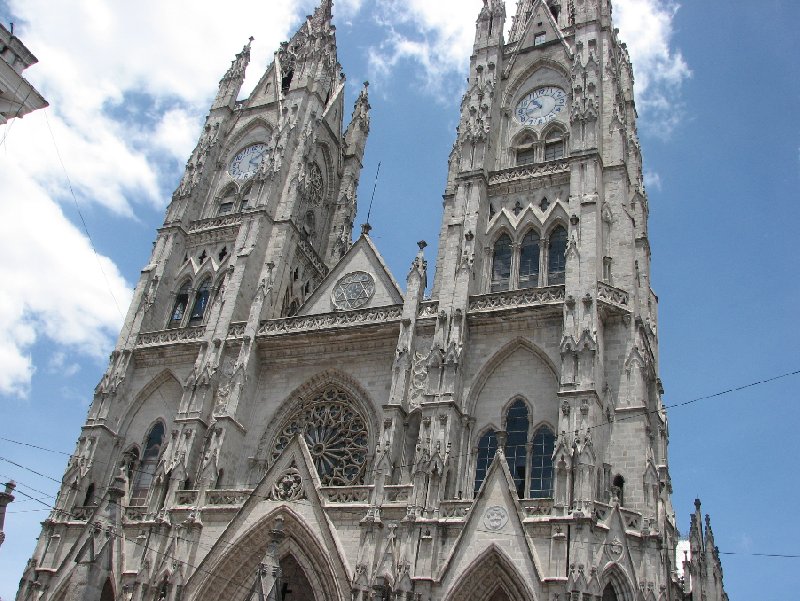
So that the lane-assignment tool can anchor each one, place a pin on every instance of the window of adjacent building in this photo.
(557, 256)
(201, 302)
(487, 447)
(147, 467)
(529, 261)
(181, 304)
(501, 264)
(542, 463)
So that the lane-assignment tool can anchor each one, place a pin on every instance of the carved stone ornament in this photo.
(336, 434)
(495, 518)
(614, 549)
(289, 487)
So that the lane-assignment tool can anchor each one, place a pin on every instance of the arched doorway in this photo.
(108, 591)
(609, 594)
(294, 582)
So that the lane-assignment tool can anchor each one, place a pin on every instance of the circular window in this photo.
(353, 291)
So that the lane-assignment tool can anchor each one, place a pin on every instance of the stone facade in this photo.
(17, 96)
(281, 420)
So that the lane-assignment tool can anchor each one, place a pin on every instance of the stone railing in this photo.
(537, 507)
(454, 509)
(178, 335)
(222, 498)
(528, 171)
(81, 514)
(330, 321)
(215, 222)
(612, 295)
(186, 497)
(398, 493)
(136, 513)
(313, 258)
(516, 299)
(345, 494)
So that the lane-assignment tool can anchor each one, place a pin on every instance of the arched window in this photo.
(526, 156)
(619, 488)
(554, 146)
(516, 446)
(501, 264)
(89, 498)
(200, 302)
(487, 447)
(529, 261)
(609, 594)
(147, 467)
(542, 463)
(557, 256)
(336, 434)
(227, 202)
(181, 304)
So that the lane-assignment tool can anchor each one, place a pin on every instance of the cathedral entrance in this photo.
(294, 583)
(499, 595)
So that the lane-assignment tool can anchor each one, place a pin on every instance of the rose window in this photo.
(316, 187)
(353, 291)
(336, 435)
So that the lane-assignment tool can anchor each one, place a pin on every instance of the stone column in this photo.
(5, 498)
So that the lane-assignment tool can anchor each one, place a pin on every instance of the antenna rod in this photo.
(369, 212)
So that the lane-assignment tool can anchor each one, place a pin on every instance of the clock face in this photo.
(245, 164)
(541, 106)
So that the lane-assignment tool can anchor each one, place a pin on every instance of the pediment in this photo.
(288, 493)
(540, 23)
(495, 517)
(362, 258)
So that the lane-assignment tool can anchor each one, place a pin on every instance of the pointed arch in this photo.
(181, 304)
(488, 368)
(231, 563)
(251, 132)
(153, 448)
(562, 78)
(169, 406)
(616, 578)
(557, 255)
(491, 572)
(486, 449)
(502, 254)
(529, 259)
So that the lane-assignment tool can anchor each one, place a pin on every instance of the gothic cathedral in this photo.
(281, 421)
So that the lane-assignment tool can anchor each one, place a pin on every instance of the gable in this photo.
(541, 27)
(360, 280)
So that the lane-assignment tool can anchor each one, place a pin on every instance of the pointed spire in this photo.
(231, 82)
(323, 15)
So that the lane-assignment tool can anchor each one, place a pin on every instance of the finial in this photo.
(366, 229)
(422, 245)
(697, 504)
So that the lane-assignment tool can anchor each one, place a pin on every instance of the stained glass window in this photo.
(181, 303)
(501, 264)
(353, 291)
(201, 301)
(147, 467)
(516, 451)
(529, 261)
(557, 256)
(487, 447)
(542, 463)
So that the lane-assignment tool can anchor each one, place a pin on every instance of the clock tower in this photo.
(280, 420)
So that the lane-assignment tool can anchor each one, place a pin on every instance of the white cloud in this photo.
(652, 180)
(128, 84)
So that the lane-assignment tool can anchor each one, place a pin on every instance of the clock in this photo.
(247, 161)
(541, 106)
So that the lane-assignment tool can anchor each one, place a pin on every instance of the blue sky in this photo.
(129, 84)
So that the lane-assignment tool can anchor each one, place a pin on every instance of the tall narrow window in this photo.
(487, 447)
(529, 261)
(557, 256)
(501, 264)
(201, 302)
(542, 463)
(147, 467)
(526, 156)
(554, 146)
(181, 303)
(516, 448)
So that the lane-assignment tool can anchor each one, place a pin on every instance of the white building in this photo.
(281, 419)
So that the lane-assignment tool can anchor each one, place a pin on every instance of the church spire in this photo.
(231, 82)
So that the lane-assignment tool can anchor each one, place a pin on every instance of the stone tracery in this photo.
(336, 434)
